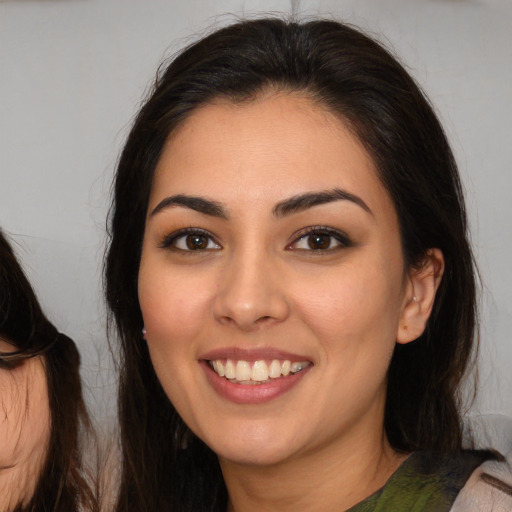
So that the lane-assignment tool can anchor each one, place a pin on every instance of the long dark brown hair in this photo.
(356, 78)
(62, 485)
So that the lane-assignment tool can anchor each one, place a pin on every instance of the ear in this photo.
(419, 294)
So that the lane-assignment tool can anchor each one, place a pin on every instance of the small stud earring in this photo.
(144, 332)
(415, 299)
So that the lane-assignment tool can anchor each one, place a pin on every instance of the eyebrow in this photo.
(198, 204)
(284, 208)
(303, 202)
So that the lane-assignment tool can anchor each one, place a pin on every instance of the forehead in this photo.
(271, 147)
(6, 346)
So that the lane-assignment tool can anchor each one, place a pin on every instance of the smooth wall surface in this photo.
(72, 73)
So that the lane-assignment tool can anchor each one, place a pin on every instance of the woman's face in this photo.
(24, 428)
(272, 256)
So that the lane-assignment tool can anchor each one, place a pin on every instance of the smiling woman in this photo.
(262, 284)
(291, 279)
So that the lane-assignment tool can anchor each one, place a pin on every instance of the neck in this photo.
(334, 478)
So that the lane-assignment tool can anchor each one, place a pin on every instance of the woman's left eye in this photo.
(320, 240)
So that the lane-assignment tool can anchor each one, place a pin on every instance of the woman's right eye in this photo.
(190, 240)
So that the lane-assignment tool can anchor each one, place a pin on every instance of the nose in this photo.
(250, 293)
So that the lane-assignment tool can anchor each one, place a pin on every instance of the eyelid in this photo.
(168, 240)
(343, 239)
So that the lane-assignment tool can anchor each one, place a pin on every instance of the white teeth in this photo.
(218, 367)
(259, 371)
(242, 372)
(274, 370)
(229, 370)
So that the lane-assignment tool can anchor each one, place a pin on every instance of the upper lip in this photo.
(251, 355)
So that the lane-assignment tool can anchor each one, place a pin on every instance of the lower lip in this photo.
(252, 393)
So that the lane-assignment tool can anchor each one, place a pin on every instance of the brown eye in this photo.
(195, 242)
(190, 240)
(319, 241)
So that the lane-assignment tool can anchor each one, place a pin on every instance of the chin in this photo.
(252, 456)
(255, 448)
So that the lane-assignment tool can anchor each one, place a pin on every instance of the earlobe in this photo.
(420, 293)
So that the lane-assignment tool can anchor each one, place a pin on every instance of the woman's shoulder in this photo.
(489, 488)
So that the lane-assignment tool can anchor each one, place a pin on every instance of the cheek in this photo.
(25, 420)
(175, 307)
(353, 306)
(173, 304)
(354, 316)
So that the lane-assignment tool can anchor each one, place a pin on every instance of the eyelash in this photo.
(169, 242)
(343, 241)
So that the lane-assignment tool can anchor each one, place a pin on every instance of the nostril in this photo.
(249, 305)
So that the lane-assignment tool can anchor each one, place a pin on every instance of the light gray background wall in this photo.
(72, 73)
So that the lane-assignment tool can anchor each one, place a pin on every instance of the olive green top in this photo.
(424, 482)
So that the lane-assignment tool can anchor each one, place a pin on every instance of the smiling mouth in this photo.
(256, 372)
